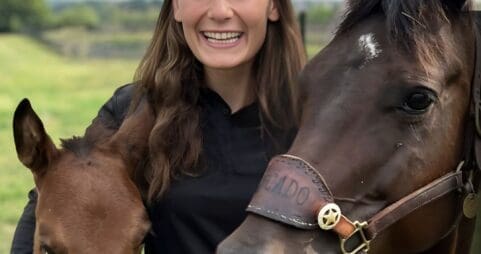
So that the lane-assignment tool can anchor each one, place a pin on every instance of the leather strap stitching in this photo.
(301, 223)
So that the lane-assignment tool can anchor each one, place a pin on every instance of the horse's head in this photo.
(385, 110)
(87, 202)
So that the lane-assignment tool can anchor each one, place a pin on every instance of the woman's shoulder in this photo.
(124, 91)
(117, 106)
(123, 96)
(112, 112)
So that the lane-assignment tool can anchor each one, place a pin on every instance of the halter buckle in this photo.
(364, 246)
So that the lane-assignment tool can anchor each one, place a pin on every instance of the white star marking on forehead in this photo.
(369, 47)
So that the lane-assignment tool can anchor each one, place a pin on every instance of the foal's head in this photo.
(87, 202)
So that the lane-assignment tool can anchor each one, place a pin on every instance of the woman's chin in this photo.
(222, 64)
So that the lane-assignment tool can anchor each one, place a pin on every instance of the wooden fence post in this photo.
(302, 23)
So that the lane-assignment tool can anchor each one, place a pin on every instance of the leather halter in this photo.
(294, 193)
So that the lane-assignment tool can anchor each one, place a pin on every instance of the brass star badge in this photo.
(329, 216)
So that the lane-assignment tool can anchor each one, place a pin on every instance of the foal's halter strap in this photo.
(293, 192)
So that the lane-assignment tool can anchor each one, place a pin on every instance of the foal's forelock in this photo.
(80, 146)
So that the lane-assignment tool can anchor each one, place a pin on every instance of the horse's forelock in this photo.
(404, 17)
(412, 25)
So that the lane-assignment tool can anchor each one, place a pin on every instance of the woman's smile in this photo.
(222, 39)
(225, 34)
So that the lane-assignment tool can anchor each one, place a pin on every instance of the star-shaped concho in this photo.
(329, 216)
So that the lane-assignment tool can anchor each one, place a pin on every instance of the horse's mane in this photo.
(412, 24)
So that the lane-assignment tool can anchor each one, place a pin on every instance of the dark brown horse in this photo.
(388, 117)
(87, 202)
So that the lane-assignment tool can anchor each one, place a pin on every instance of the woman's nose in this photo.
(220, 10)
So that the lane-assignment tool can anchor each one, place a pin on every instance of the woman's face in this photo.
(224, 34)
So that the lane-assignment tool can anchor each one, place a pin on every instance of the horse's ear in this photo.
(132, 138)
(34, 147)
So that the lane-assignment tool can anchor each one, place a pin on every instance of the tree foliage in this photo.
(78, 15)
(17, 15)
(321, 13)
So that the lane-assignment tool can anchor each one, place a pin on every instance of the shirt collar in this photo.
(246, 116)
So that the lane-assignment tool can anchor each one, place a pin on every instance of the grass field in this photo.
(66, 93)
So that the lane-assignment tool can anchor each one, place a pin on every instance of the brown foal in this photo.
(87, 201)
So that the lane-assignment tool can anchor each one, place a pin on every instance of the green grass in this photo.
(66, 94)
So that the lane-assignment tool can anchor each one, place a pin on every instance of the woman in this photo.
(221, 77)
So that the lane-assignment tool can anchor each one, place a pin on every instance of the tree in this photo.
(321, 14)
(17, 15)
(79, 15)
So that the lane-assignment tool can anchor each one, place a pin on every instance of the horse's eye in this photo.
(419, 101)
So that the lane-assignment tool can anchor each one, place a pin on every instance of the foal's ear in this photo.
(34, 147)
(132, 138)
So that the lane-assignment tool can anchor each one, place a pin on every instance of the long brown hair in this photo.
(171, 77)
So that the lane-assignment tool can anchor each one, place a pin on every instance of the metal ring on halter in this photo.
(364, 246)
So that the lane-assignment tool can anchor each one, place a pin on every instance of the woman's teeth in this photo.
(227, 37)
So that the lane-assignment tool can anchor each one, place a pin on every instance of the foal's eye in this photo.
(418, 101)
(44, 249)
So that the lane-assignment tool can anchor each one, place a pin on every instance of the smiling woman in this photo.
(220, 77)
(221, 44)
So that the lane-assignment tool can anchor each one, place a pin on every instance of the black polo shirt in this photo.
(199, 212)
(196, 213)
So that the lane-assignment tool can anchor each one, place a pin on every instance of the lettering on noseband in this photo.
(285, 187)
(302, 196)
